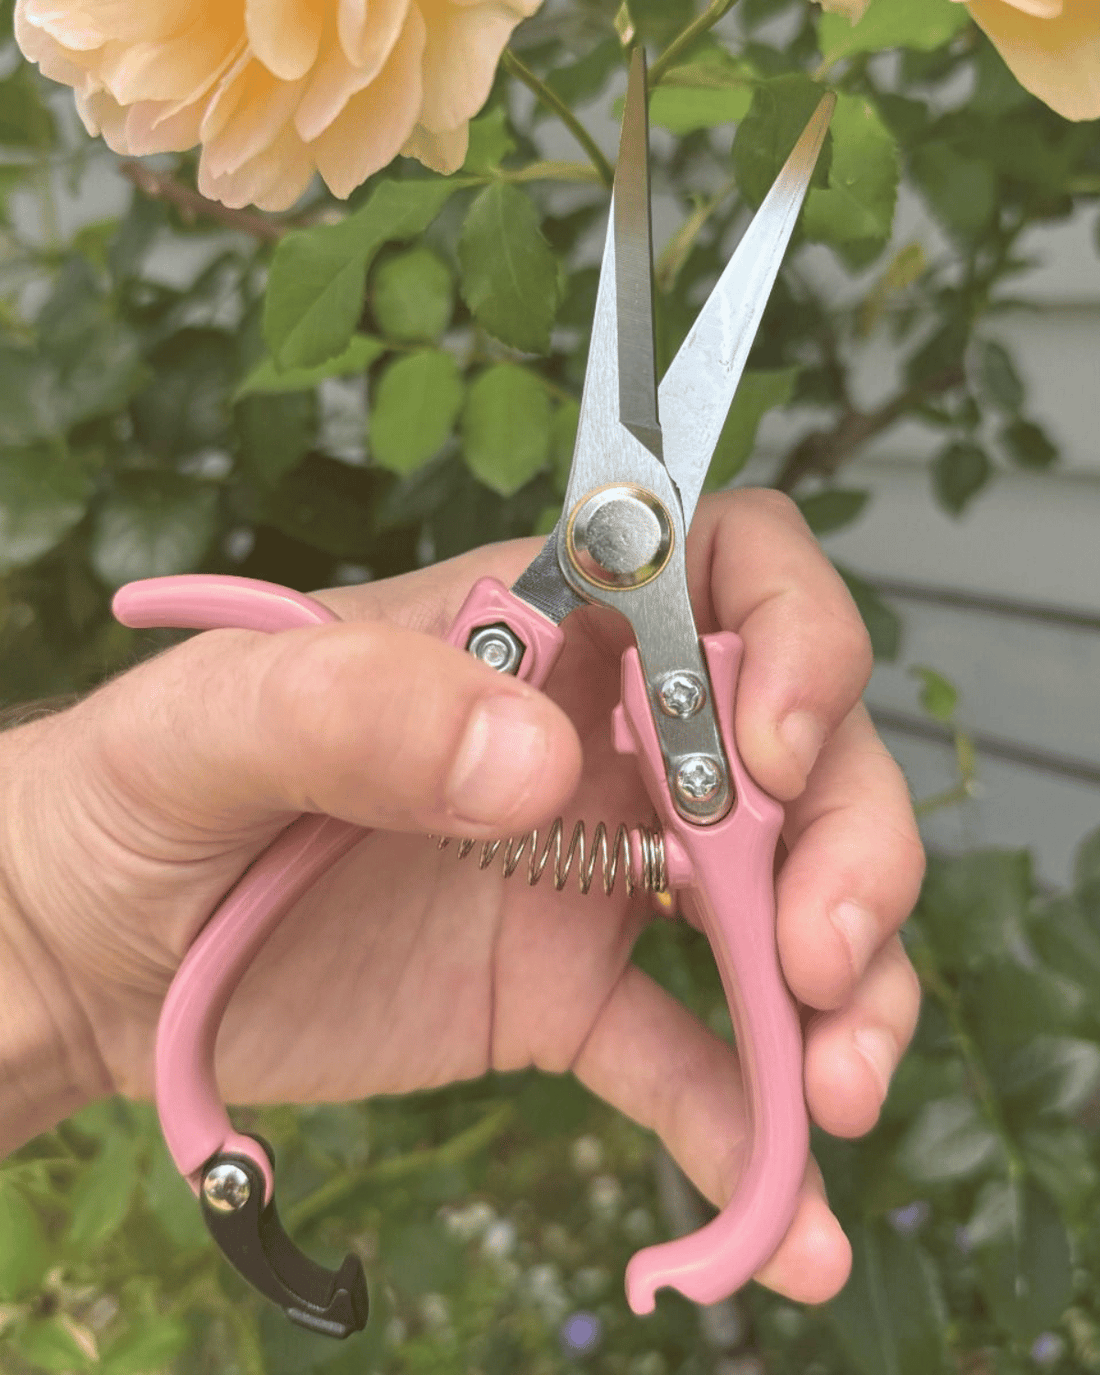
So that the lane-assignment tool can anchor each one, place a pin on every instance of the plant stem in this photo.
(932, 979)
(459, 1147)
(679, 45)
(512, 64)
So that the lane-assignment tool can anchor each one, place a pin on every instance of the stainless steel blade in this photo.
(699, 386)
(633, 232)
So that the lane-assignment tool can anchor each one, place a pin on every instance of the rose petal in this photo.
(335, 79)
(442, 152)
(273, 180)
(455, 91)
(1056, 59)
(373, 126)
(285, 35)
(368, 31)
(247, 114)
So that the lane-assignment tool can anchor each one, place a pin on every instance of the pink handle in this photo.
(490, 603)
(733, 895)
(193, 1118)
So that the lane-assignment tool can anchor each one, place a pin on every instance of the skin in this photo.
(128, 817)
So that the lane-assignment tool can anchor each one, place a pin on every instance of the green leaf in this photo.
(938, 696)
(961, 190)
(890, 1316)
(172, 1203)
(151, 1346)
(959, 474)
(276, 432)
(553, 1104)
(315, 290)
(949, 1140)
(153, 524)
(888, 24)
(326, 504)
(758, 393)
(1026, 1276)
(683, 109)
(265, 378)
(414, 409)
(509, 273)
(1086, 863)
(973, 906)
(1059, 1158)
(856, 213)
(1029, 446)
(49, 1345)
(422, 1259)
(490, 141)
(833, 509)
(506, 428)
(185, 407)
(1051, 1075)
(101, 1197)
(24, 1252)
(778, 114)
(412, 295)
(43, 494)
(882, 622)
(583, 80)
(24, 121)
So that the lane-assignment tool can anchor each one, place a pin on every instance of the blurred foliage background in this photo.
(355, 389)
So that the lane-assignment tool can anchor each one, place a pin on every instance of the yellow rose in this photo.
(1052, 46)
(275, 90)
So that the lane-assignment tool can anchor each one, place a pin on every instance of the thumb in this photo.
(376, 725)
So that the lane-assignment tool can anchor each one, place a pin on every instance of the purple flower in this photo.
(580, 1334)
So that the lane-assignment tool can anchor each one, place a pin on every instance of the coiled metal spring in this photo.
(637, 856)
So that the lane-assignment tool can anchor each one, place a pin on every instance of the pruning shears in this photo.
(641, 457)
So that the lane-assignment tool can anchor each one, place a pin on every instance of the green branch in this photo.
(511, 64)
(460, 1147)
(683, 41)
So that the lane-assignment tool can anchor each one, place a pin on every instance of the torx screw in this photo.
(698, 778)
(226, 1187)
(681, 694)
(497, 647)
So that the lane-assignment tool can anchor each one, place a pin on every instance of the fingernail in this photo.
(498, 761)
(858, 929)
(803, 734)
(880, 1051)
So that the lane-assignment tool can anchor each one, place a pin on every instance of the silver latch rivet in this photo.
(226, 1187)
(698, 778)
(497, 647)
(681, 694)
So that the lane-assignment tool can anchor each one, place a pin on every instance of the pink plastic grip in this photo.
(490, 603)
(193, 1118)
(734, 898)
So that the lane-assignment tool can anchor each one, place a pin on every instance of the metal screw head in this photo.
(681, 694)
(619, 536)
(226, 1187)
(698, 778)
(497, 647)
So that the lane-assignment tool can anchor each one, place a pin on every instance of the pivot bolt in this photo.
(497, 647)
(226, 1187)
(698, 778)
(681, 694)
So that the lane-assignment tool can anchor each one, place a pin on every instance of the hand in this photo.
(129, 816)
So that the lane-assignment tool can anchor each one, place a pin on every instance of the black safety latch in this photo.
(331, 1302)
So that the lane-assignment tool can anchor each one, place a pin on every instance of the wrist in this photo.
(49, 1064)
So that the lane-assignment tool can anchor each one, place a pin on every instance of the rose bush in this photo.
(275, 90)
(1052, 46)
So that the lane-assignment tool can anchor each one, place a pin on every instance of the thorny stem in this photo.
(512, 64)
(932, 980)
(680, 44)
(459, 1147)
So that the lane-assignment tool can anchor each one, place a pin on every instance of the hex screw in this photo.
(497, 647)
(226, 1187)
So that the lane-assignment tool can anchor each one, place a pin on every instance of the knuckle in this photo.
(772, 505)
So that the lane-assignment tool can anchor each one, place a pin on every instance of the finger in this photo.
(853, 869)
(852, 1054)
(366, 722)
(807, 653)
(651, 1059)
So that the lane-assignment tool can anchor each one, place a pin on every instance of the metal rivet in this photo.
(681, 694)
(226, 1187)
(497, 647)
(619, 536)
(698, 778)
